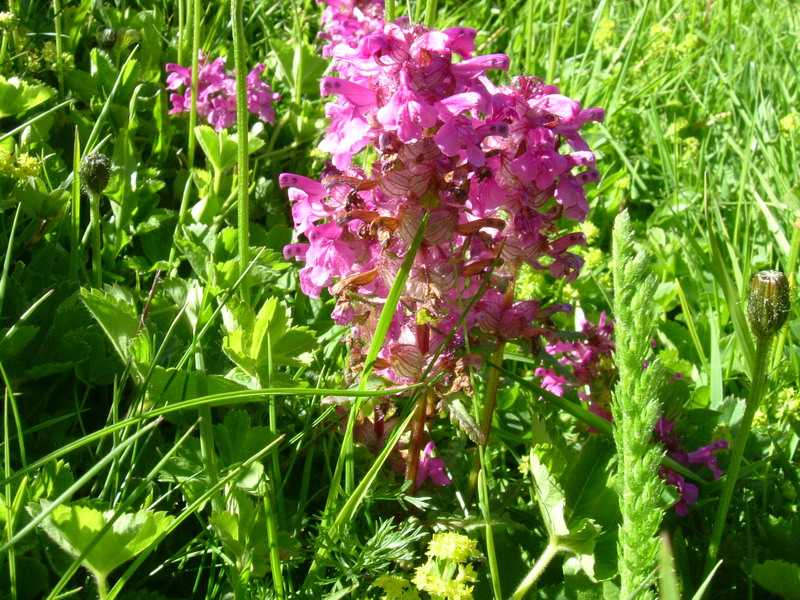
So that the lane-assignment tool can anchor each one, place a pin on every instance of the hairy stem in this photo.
(759, 380)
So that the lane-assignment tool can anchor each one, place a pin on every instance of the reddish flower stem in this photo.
(418, 424)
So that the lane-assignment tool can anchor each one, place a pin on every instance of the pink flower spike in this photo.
(431, 467)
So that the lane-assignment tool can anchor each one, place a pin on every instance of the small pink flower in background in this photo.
(432, 468)
(216, 93)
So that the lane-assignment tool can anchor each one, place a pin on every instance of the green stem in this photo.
(538, 568)
(430, 13)
(59, 45)
(759, 380)
(7, 259)
(490, 402)
(193, 17)
(551, 67)
(417, 437)
(491, 554)
(389, 11)
(102, 585)
(97, 259)
(207, 454)
(237, 24)
(75, 211)
(272, 541)
(4, 49)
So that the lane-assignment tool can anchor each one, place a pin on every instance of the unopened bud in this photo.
(106, 38)
(768, 303)
(95, 172)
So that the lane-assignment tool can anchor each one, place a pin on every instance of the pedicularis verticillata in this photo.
(412, 130)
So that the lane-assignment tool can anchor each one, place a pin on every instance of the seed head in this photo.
(95, 172)
(768, 303)
(106, 38)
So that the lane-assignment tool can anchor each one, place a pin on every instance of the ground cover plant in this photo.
(404, 300)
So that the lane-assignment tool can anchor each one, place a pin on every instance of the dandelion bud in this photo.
(95, 172)
(768, 303)
(107, 38)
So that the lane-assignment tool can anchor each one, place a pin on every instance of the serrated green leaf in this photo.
(257, 342)
(461, 415)
(116, 318)
(237, 440)
(549, 495)
(74, 527)
(779, 577)
(18, 96)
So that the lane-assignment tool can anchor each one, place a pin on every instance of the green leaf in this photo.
(545, 465)
(18, 96)
(243, 534)
(461, 415)
(115, 311)
(38, 203)
(74, 527)
(574, 535)
(779, 577)
(237, 440)
(169, 386)
(256, 342)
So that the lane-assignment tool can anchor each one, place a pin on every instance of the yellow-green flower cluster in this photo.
(49, 56)
(605, 34)
(396, 588)
(453, 546)
(448, 575)
(21, 166)
(8, 21)
(442, 586)
(790, 123)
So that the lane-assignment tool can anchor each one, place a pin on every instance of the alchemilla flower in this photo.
(216, 93)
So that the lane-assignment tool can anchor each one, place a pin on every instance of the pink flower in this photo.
(216, 93)
(432, 468)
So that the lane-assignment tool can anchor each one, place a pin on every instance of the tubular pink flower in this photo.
(431, 468)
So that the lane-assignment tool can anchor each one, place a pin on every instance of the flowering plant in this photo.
(495, 168)
(216, 92)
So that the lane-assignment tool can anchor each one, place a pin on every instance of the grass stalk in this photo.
(243, 200)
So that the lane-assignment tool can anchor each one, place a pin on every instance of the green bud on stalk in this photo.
(768, 303)
(95, 173)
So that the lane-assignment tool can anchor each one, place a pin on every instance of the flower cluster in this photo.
(21, 166)
(447, 573)
(216, 92)
(587, 362)
(347, 21)
(588, 367)
(702, 456)
(494, 167)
